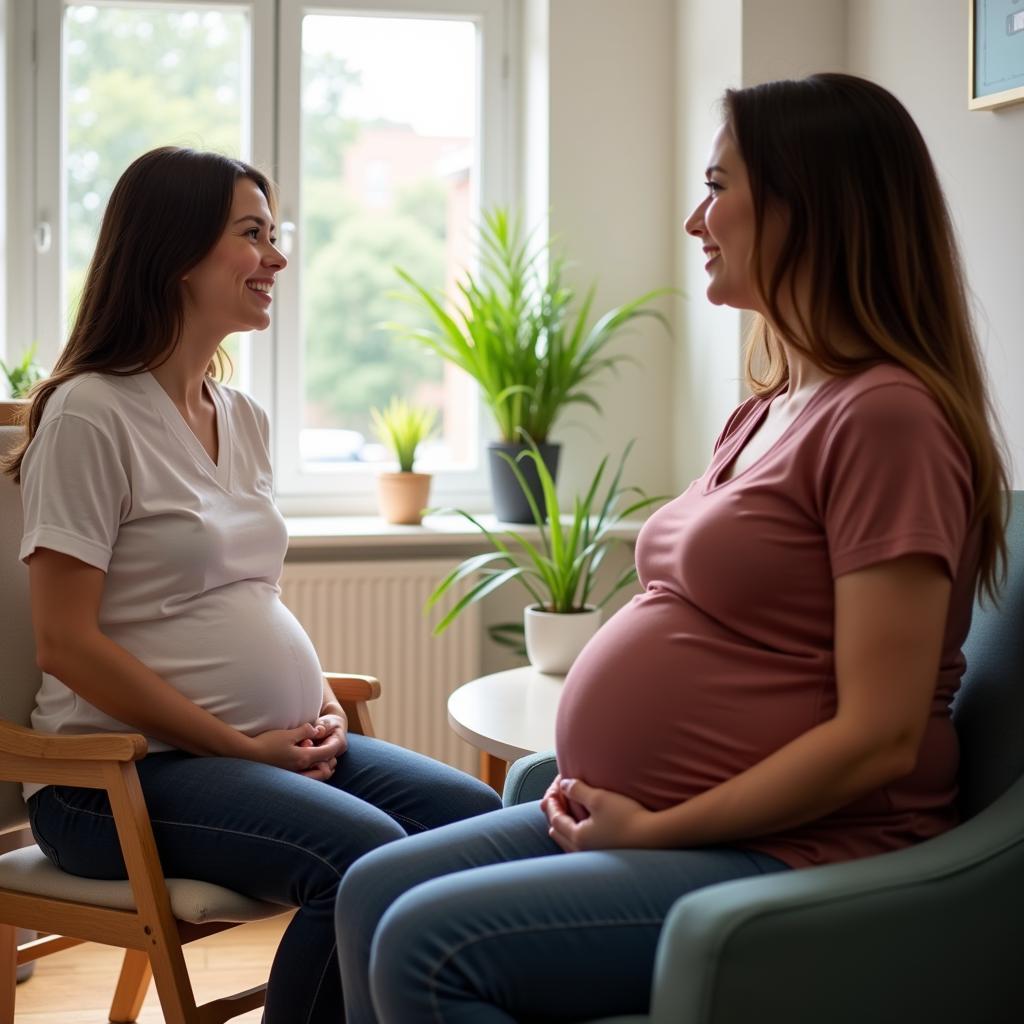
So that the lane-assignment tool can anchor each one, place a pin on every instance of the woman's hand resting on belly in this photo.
(312, 749)
(328, 727)
(582, 817)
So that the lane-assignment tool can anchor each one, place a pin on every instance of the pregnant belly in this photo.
(662, 705)
(237, 652)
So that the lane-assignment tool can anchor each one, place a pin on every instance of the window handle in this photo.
(43, 236)
(287, 236)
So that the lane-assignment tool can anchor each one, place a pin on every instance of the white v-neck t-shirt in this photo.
(192, 550)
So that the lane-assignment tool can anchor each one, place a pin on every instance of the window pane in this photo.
(389, 175)
(139, 76)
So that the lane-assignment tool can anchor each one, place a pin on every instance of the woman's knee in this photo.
(409, 953)
(365, 891)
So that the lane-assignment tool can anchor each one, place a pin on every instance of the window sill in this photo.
(345, 537)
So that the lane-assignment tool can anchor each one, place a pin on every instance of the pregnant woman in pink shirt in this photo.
(777, 696)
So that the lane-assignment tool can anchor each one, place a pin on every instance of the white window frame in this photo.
(45, 40)
(352, 490)
(35, 301)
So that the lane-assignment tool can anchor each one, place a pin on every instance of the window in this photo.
(397, 120)
(384, 126)
(132, 75)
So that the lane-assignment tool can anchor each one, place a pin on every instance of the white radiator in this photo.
(367, 617)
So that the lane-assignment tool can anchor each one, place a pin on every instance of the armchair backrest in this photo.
(989, 707)
(19, 676)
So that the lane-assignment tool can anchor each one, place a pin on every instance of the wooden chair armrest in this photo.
(348, 687)
(100, 746)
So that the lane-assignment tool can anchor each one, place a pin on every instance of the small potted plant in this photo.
(517, 329)
(20, 377)
(558, 571)
(402, 427)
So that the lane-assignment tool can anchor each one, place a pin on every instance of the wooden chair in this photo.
(150, 917)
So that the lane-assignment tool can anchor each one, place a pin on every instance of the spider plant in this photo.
(558, 570)
(511, 328)
(402, 427)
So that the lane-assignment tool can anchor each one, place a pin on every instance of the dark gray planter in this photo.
(510, 503)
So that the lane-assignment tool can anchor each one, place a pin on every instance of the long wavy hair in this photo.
(870, 234)
(166, 212)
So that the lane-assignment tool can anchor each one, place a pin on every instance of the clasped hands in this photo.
(582, 817)
(312, 749)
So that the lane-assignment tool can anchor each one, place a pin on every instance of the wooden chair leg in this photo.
(173, 986)
(8, 971)
(131, 987)
(163, 942)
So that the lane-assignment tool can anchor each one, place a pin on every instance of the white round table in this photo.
(506, 715)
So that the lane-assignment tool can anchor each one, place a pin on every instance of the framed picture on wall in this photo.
(995, 53)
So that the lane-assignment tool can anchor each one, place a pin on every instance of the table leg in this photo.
(493, 770)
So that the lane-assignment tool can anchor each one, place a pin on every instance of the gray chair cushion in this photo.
(989, 707)
(28, 871)
(528, 778)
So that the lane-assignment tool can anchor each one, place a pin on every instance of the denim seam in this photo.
(564, 926)
(208, 828)
(320, 983)
(402, 817)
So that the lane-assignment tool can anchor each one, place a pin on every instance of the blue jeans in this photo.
(270, 834)
(487, 921)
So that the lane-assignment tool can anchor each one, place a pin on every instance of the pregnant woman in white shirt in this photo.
(154, 552)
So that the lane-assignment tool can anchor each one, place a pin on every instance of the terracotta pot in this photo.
(554, 639)
(403, 496)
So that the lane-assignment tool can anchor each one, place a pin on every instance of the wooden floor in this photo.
(75, 987)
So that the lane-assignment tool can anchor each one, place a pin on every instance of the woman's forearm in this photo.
(826, 768)
(116, 682)
(330, 705)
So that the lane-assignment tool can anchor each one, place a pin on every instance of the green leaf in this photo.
(512, 328)
(509, 634)
(558, 568)
(475, 593)
(402, 427)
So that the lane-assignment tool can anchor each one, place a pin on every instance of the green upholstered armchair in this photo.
(928, 935)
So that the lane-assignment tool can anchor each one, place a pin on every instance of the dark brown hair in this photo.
(870, 233)
(166, 212)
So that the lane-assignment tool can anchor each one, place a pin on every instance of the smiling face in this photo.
(725, 222)
(230, 289)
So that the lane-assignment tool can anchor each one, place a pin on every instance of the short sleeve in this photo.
(894, 480)
(74, 491)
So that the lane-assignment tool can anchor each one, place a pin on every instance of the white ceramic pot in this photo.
(554, 639)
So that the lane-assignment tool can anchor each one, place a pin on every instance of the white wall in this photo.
(598, 104)
(706, 377)
(918, 50)
(729, 43)
(609, 180)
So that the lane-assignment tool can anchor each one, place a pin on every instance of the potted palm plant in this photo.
(20, 377)
(402, 427)
(516, 328)
(558, 570)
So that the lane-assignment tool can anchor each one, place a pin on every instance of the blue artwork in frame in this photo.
(996, 57)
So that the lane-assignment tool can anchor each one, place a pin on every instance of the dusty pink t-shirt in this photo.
(727, 655)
